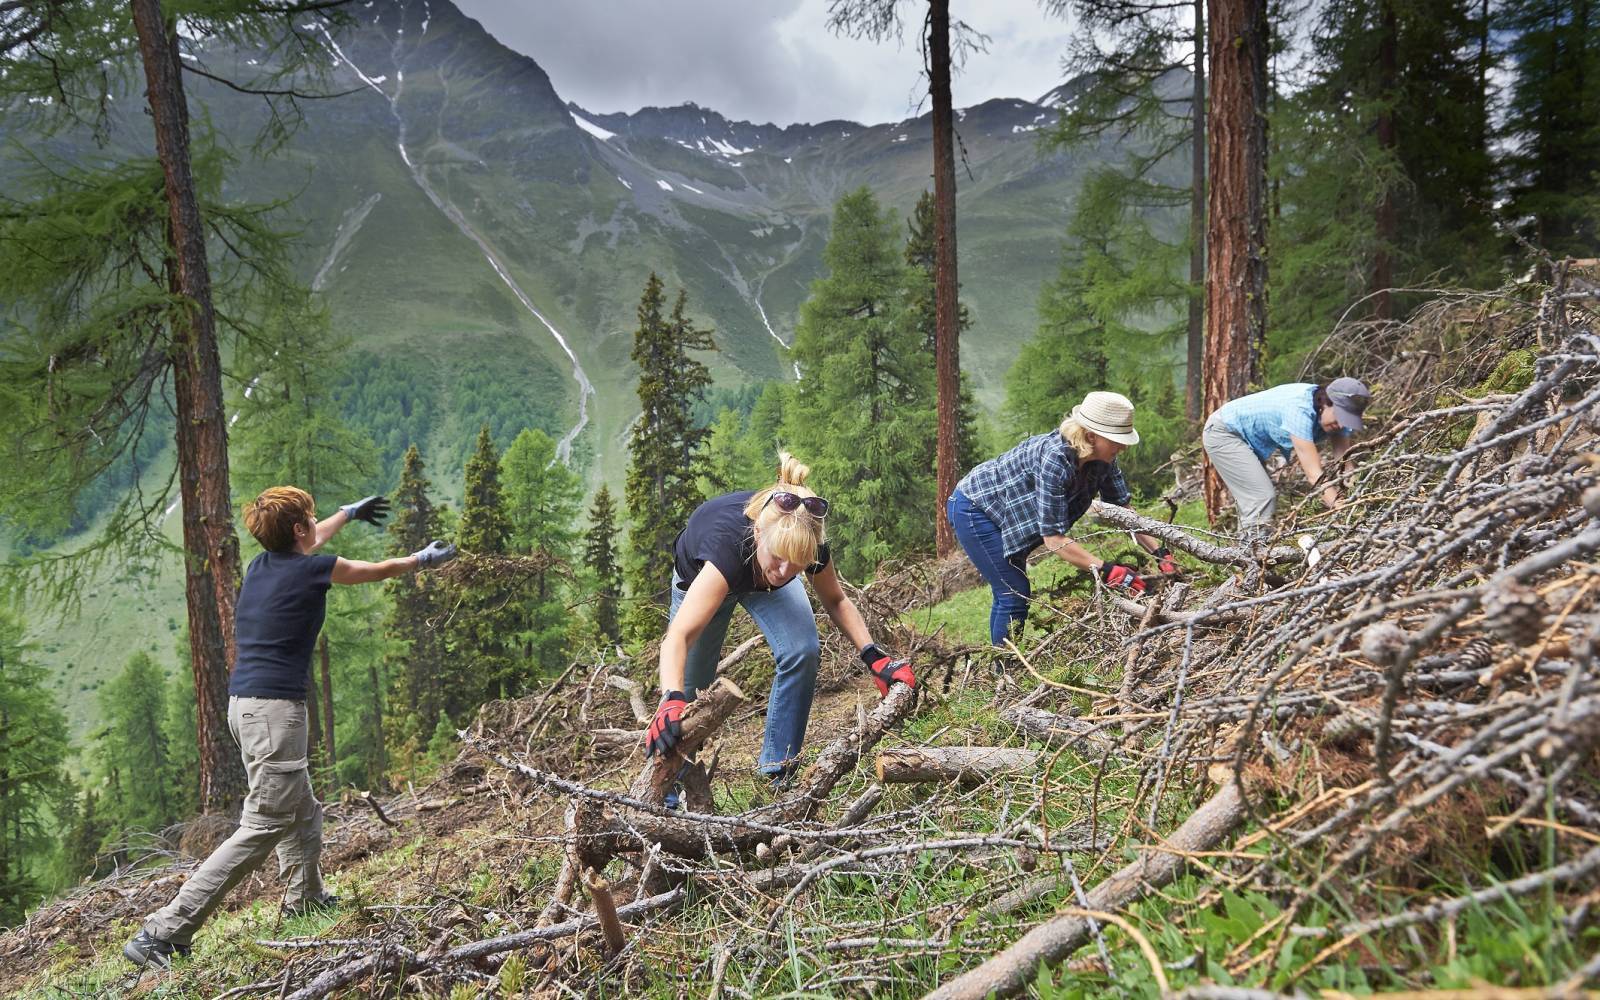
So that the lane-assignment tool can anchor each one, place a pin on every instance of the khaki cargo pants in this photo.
(279, 812)
(1242, 472)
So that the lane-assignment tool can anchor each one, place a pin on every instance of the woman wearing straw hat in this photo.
(1033, 494)
(1243, 433)
(747, 548)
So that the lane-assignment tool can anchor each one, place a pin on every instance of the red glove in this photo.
(1120, 576)
(667, 727)
(1165, 561)
(886, 670)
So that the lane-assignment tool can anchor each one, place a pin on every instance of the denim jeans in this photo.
(785, 618)
(1007, 576)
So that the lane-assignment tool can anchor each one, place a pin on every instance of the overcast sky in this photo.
(764, 60)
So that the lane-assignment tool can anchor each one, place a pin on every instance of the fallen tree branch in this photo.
(911, 765)
(1010, 972)
(1177, 538)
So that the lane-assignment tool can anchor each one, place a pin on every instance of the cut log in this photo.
(1011, 971)
(910, 765)
(1059, 730)
(1175, 537)
(704, 716)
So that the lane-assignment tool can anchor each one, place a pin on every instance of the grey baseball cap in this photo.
(1349, 397)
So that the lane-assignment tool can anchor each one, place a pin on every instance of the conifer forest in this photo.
(1186, 584)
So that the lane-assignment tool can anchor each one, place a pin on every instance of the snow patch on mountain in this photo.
(591, 128)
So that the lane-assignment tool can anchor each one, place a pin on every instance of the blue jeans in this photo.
(785, 618)
(1007, 575)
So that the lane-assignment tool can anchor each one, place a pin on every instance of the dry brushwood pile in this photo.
(1324, 722)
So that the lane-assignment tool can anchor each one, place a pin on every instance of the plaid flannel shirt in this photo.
(1267, 420)
(1040, 488)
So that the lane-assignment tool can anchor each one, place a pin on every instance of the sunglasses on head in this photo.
(787, 502)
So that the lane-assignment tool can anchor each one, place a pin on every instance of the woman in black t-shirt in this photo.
(747, 548)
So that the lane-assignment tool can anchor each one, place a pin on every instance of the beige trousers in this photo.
(1242, 472)
(279, 812)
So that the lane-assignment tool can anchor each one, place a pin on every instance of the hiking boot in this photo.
(312, 905)
(146, 950)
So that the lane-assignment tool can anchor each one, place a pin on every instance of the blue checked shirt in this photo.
(1266, 420)
(1039, 488)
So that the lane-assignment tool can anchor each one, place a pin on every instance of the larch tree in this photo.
(1132, 55)
(943, 42)
(1236, 252)
(33, 749)
(542, 499)
(486, 612)
(122, 305)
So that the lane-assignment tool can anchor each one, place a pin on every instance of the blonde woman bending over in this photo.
(748, 548)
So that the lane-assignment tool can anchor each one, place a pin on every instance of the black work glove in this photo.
(371, 510)
(886, 670)
(436, 553)
(1165, 561)
(1121, 577)
(666, 729)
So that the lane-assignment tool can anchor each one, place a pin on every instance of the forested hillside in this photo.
(366, 249)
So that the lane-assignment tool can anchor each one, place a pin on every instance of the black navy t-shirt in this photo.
(281, 606)
(718, 533)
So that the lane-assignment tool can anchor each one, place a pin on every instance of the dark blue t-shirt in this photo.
(281, 606)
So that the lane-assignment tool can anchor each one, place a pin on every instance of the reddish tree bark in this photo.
(211, 566)
(1193, 401)
(1236, 264)
(947, 310)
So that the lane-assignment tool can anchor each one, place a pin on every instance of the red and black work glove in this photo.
(1165, 561)
(885, 669)
(666, 729)
(1121, 577)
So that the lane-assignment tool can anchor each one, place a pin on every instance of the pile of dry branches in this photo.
(1415, 667)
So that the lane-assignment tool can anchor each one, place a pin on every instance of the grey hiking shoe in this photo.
(146, 950)
(314, 904)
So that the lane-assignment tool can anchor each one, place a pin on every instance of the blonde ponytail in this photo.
(791, 535)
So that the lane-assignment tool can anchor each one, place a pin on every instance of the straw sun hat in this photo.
(1108, 414)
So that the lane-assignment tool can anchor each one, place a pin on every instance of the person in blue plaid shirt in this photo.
(1033, 495)
(1292, 419)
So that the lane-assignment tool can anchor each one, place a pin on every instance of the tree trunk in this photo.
(947, 310)
(313, 735)
(1193, 380)
(1010, 972)
(1236, 265)
(379, 758)
(327, 707)
(1386, 222)
(967, 765)
(211, 569)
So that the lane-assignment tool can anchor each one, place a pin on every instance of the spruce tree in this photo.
(418, 672)
(662, 487)
(863, 413)
(1553, 122)
(484, 614)
(600, 558)
(33, 748)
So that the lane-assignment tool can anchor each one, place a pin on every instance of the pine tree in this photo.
(863, 410)
(542, 500)
(1554, 122)
(419, 672)
(664, 449)
(134, 745)
(33, 748)
(600, 558)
